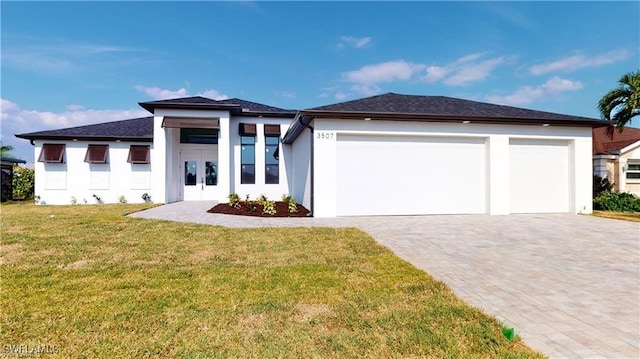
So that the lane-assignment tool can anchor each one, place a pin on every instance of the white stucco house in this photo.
(616, 156)
(389, 154)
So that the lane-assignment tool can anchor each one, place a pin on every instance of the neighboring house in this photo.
(617, 158)
(7, 164)
(389, 154)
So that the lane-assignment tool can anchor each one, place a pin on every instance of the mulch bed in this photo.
(282, 210)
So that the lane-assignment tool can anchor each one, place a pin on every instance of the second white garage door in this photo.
(402, 175)
(539, 176)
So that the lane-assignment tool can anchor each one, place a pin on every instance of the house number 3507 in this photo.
(325, 135)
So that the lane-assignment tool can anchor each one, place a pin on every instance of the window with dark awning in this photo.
(52, 153)
(138, 154)
(97, 154)
(272, 130)
(248, 129)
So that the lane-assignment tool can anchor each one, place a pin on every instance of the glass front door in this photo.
(200, 174)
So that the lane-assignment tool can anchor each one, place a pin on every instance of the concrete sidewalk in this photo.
(569, 284)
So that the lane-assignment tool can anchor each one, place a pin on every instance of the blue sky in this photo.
(66, 64)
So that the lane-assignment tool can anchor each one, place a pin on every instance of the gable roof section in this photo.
(137, 129)
(235, 106)
(604, 144)
(392, 106)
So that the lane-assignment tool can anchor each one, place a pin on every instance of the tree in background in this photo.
(622, 103)
(5, 151)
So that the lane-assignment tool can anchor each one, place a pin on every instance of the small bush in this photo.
(234, 200)
(74, 200)
(262, 199)
(23, 182)
(146, 197)
(600, 185)
(617, 201)
(269, 207)
(291, 203)
(122, 199)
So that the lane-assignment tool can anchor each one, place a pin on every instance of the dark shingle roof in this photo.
(137, 129)
(236, 106)
(604, 143)
(397, 107)
(441, 106)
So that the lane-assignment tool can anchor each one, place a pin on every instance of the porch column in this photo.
(159, 162)
(224, 158)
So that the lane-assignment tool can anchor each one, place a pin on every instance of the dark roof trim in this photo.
(234, 109)
(12, 160)
(306, 116)
(86, 138)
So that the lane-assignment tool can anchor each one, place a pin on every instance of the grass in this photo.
(90, 282)
(625, 216)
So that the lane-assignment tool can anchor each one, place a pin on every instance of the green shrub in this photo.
(234, 200)
(291, 203)
(617, 201)
(600, 185)
(122, 199)
(262, 199)
(23, 182)
(269, 207)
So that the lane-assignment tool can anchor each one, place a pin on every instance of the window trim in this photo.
(52, 153)
(91, 151)
(139, 148)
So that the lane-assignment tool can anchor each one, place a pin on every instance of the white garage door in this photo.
(538, 176)
(401, 175)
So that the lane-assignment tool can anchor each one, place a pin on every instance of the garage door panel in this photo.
(538, 176)
(378, 175)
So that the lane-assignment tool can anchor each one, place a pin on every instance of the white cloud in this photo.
(383, 72)
(366, 89)
(354, 41)
(213, 94)
(463, 71)
(163, 94)
(529, 94)
(32, 120)
(574, 62)
(74, 107)
(340, 95)
(473, 73)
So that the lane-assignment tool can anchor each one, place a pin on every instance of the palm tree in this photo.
(622, 104)
(5, 149)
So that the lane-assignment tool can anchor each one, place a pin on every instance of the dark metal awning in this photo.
(191, 122)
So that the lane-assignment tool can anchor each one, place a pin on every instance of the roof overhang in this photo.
(233, 109)
(303, 118)
(87, 138)
(631, 147)
(190, 122)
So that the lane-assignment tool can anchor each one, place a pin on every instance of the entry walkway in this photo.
(568, 284)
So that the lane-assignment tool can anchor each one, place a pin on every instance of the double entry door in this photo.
(199, 174)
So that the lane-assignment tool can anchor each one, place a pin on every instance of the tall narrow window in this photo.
(138, 154)
(271, 154)
(96, 154)
(52, 153)
(248, 160)
(247, 153)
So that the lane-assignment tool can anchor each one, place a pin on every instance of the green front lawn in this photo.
(89, 282)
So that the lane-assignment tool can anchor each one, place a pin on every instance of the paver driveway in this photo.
(568, 284)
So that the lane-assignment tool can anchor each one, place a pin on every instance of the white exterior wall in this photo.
(300, 165)
(57, 183)
(272, 191)
(497, 137)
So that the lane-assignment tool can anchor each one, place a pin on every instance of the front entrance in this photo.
(200, 174)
